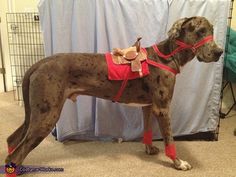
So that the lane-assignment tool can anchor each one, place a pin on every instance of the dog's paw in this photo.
(182, 165)
(151, 150)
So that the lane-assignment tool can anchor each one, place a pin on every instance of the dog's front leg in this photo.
(162, 114)
(147, 135)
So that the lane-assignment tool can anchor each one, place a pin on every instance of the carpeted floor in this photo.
(107, 159)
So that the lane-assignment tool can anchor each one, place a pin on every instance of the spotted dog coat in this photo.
(48, 83)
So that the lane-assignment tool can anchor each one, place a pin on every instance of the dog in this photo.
(48, 83)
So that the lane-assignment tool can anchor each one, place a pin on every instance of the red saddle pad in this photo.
(121, 71)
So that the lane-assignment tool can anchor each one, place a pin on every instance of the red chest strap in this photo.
(160, 65)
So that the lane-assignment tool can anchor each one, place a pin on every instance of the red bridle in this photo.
(183, 46)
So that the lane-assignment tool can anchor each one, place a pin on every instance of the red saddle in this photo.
(127, 63)
(124, 71)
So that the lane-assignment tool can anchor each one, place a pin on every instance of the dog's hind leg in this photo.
(46, 102)
(41, 126)
(162, 114)
(147, 134)
(15, 138)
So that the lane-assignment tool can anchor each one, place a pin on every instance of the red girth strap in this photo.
(183, 46)
(121, 90)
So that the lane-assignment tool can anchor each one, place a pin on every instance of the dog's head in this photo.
(192, 30)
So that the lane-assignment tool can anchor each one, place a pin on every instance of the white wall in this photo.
(24, 5)
(3, 26)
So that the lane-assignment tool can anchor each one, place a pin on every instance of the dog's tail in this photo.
(25, 91)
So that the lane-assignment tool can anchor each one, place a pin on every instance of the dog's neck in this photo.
(183, 57)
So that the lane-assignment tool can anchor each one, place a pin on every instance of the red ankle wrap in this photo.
(170, 151)
(147, 137)
(11, 149)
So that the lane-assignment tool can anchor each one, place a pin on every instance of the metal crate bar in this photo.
(25, 46)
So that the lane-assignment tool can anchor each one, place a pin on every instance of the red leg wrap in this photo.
(147, 137)
(170, 151)
(11, 149)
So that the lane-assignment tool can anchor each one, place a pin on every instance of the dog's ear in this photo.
(175, 30)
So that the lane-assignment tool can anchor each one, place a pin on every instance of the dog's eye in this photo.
(201, 31)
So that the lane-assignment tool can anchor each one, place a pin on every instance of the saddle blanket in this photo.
(123, 71)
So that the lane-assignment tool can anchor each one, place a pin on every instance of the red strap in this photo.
(170, 151)
(166, 56)
(183, 46)
(195, 46)
(11, 149)
(147, 137)
(144, 50)
(121, 90)
(162, 66)
(202, 42)
(159, 65)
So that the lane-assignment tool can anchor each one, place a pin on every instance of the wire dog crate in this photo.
(25, 46)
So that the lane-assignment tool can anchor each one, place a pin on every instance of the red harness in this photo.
(182, 46)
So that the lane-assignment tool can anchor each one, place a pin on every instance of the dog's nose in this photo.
(218, 52)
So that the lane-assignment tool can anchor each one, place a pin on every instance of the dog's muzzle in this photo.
(218, 52)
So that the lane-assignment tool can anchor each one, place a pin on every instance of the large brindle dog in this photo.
(48, 83)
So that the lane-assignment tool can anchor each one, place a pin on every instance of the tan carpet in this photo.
(107, 159)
